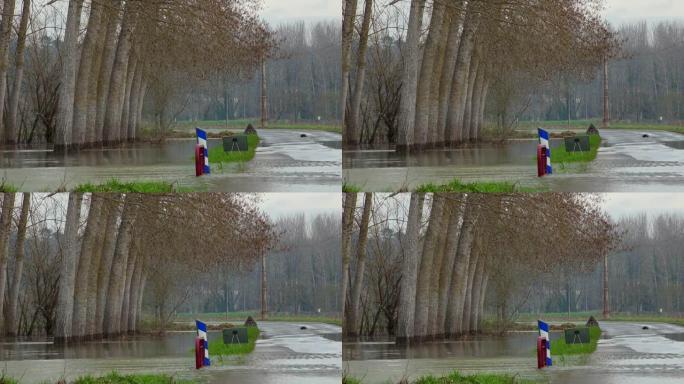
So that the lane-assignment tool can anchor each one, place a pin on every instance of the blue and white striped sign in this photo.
(202, 140)
(202, 334)
(544, 332)
(544, 141)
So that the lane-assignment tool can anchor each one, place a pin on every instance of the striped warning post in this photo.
(202, 140)
(544, 141)
(202, 334)
(544, 332)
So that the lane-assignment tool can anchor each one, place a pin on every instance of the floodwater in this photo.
(284, 354)
(626, 162)
(625, 354)
(285, 161)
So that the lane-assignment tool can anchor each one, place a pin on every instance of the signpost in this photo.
(544, 334)
(545, 143)
(202, 141)
(202, 334)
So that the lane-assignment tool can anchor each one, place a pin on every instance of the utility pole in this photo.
(606, 107)
(264, 288)
(264, 96)
(606, 309)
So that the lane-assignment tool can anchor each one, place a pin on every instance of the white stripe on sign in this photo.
(544, 140)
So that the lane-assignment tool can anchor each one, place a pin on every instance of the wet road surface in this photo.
(625, 354)
(284, 162)
(626, 162)
(284, 354)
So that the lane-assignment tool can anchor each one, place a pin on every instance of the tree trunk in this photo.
(5, 228)
(354, 121)
(95, 267)
(606, 102)
(450, 58)
(108, 249)
(459, 277)
(13, 302)
(354, 320)
(264, 288)
(67, 89)
(67, 276)
(453, 237)
(409, 270)
(115, 291)
(136, 94)
(477, 100)
(434, 138)
(117, 83)
(347, 231)
(5, 37)
(409, 78)
(459, 88)
(106, 67)
(433, 329)
(467, 115)
(476, 292)
(422, 309)
(130, 77)
(130, 269)
(349, 17)
(12, 123)
(84, 268)
(424, 85)
(468, 297)
(135, 294)
(264, 95)
(88, 51)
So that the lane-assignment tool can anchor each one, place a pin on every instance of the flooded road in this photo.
(626, 162)
(285, 353)
(625, 354)
(285, 161)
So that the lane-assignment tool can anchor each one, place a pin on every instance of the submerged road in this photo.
(285, 353)
(626, 162)
(284, 162)
(626, 354)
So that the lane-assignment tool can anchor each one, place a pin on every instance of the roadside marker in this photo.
(544, 141)
(202, 334)
(544, 333)
(202, 140)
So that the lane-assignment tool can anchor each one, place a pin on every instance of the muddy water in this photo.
(285, 161)
(627, 162)
(284, 354)
(626, 354)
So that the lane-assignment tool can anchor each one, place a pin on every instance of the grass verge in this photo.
(218, 156)
(115, 378)
(477, 187)
(350, 188)
(458, 378)
(559, 155)
(219, 349)
(7, 188)
(131, 187)
(242, 123)
(560, 348)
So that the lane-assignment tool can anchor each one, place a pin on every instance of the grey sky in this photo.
(621, 11)
(283, 204)
(278, 11)
(625, 204)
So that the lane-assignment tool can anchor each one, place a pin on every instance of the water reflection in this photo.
(171, 344)
(519, 344)
(514, 152)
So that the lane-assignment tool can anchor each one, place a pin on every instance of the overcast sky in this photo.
(283, 204)
(278, 11)
(620, 11)
(624, 204)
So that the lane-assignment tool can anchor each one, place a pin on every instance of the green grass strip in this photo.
(457, 186)
(480, 378)
(218, 348)
(131, 187)
(560, 348)
(116, 378)
(218, 156)
(560, 155)
(350, 188)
